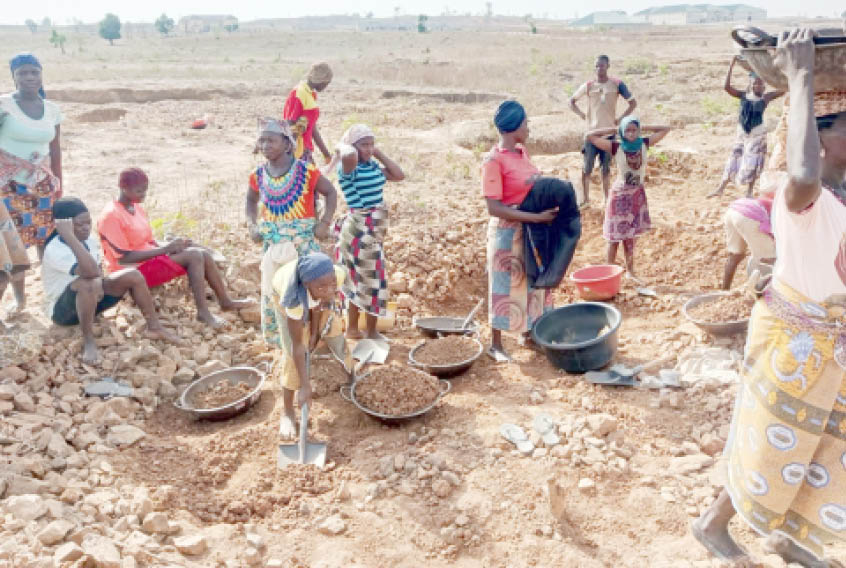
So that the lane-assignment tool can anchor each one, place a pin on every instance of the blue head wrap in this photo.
(509, 116)
(309, 268)
(26, 59)
(627, 145)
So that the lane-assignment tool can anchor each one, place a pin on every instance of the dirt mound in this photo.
(551, 134)
(109, 114)
(121, 95)
(459, 97)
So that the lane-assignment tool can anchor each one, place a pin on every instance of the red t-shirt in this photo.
(302, 101)
(508, 176)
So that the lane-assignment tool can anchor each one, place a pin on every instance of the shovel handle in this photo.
(446, 386)
(346, 392)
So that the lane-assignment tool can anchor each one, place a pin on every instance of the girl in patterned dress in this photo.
(626, 212)
(280, 208)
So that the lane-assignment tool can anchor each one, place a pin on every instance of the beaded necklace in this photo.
(280, 194)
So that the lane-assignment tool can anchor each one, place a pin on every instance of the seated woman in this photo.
(532, 235)
(362, 174)
(304, 289)
(75, 289)
(785, 453)
(127, 239)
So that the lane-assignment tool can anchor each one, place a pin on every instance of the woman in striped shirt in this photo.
(362, 174)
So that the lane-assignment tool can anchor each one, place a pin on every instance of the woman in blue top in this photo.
(362, 174)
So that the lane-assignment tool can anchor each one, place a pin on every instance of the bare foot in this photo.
(237, 304)
(164, 335)
(354, 333)
(287, 428)
(498, 354)
(90, 354)
(211, 320)
(717, 540)
(791, 552)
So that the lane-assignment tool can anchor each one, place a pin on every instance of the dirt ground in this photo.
(634, 466)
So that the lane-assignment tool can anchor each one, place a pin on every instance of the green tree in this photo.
(33, 27)
(58, 40)
(421, 23)
(46, 23)
(164, 24)
(110, 28)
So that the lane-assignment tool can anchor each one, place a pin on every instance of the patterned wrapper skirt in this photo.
(627, 213)
(283, 242)
(746, 161)
(361, 253)
(513, 306)
(787, 447)
(31, 208)
(13, 257)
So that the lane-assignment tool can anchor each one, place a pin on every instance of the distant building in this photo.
(200, 23)
(682, 14)
(614, 18)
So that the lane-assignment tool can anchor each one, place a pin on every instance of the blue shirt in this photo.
(363, 186)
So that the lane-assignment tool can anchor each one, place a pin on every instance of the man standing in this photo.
(601, 94)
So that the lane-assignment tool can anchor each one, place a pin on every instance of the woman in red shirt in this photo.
(533, 231)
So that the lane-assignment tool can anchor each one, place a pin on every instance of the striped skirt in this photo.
(361, 253)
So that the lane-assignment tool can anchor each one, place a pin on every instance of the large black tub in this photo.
(580, 337)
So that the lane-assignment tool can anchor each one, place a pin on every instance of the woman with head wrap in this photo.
(127, 239)
(301, 111)
(280, 207)
(746, 161)
(30, 159)
(362, 174)
(75, 290)
(786, 465)
(304, 290)
(626, 212)
(532, 235)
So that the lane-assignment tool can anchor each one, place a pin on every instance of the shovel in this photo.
(303, 452)
(622, 376)
(472, 313)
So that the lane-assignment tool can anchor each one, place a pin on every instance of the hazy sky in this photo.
(63, 11)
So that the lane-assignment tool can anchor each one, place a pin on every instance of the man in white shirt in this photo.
(601, 94)
(75, 289)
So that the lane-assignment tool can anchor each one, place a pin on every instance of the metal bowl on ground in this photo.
(449, 370)
(437, 326)
(348, 394)
(234, 375)
(758, 50)
(718, 329)
(574, 338)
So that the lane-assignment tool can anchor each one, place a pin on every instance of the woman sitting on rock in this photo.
(304, 289)
(362, 174)
(280, 207)
(128, 241)
(75, 289)
(532, 235)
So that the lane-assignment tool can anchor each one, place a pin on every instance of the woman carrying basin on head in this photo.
(532, 234)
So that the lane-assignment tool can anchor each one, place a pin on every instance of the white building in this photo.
(683, 14)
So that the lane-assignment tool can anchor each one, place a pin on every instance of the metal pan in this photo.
(250, 375)
(437, 326)
(348, 394)
(444, 370)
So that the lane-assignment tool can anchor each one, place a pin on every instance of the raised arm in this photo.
(599, 138)
(738, 94)
(391, 170)
(656, 133)
(795, 56)
(86, 266)
(773, 95)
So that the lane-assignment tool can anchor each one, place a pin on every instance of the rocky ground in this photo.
(137, 482)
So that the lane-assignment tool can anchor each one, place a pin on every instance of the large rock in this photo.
(68, 552)
(334, 525)
(601, 424)
(24, 402)
(124, 435)
(251, 314)
(192, 545)
(155, 523)
(102, 551)
(26, 507)
(57, 447)
(55, 532)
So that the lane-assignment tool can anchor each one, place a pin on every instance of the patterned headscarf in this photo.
(626, 144)
(22, 59)
(309, 268)
(320, 73)
(280, 127)
(355, 133)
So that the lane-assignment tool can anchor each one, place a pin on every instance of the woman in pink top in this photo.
(787, 447)
(127, 240)
(532, 236)
(747, 227)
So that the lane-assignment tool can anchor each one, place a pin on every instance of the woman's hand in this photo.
(795, 52)
(321, 230)
(547, 216)
(255, 234)
(64, 227)
(177, 245)
(304, 395)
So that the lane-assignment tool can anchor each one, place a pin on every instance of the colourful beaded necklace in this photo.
(281, 194)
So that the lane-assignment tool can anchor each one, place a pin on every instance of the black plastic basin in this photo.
(570, 336)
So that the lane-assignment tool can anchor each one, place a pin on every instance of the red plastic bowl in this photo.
(599, 282)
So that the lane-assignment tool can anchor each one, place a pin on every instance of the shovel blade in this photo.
(315, 454)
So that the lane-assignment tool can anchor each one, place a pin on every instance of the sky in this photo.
(65, 11)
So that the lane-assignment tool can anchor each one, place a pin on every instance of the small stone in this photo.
(462, 520)
(711, 445)
(601, 424)
(24, 402)
(453, 479)
(441, 488)
(182, 377)
(274, 563)
(686, 465)
(54, 532)
(192, 545)
(399, 462)
(102, 551)
(586, 484)
(210, 367)
(334, 525)
(68, 552)
(256, 541)
(26, 507)
(124, 435)
(155, 523)
(540, 452)
(535, 397)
